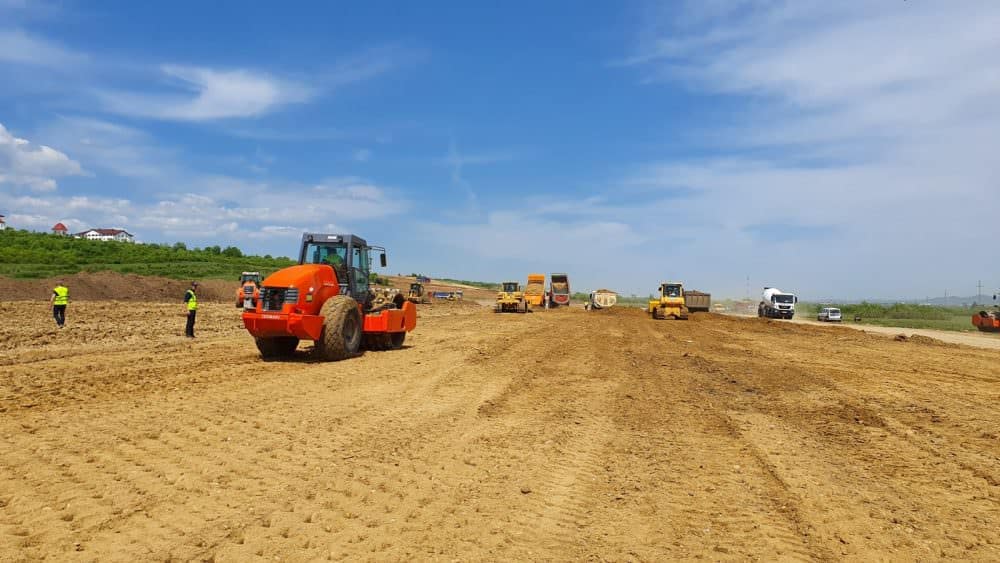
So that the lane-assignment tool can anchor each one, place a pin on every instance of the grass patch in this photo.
(902, 315)
(28, 255)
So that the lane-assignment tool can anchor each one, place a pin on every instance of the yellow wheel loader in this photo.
(671, 303)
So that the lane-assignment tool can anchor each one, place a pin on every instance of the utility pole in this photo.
(748, 288)
(946, 298)
(979, 292)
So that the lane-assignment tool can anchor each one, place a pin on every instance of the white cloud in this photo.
(872, 122)
(362, 155)
(35, 166)
(19, 47)
(110, 147)
(511, 235)
(369, 64)
(209, 94)
(231, 207)
(198, 93)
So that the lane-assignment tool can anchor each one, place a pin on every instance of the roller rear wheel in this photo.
(342, 325)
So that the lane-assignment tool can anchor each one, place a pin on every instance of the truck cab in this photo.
(776, 304)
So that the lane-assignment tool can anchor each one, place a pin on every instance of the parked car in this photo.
(828, 315)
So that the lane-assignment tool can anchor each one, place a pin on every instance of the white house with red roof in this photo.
(60, 229)
(106, 234)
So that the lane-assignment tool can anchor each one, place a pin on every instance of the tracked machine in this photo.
(671, 304)
(417, 293)
(326, 298)
(510, 299)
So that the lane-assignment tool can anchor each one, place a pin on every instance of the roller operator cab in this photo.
(670, 304)
(326, 298)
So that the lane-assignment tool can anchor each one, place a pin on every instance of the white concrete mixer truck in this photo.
(776, 304)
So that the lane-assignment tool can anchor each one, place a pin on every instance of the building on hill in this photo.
(2, 224)
(60, 229)
(106, 234)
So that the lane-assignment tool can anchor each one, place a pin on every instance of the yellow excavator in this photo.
(510, 299)
(671, 304)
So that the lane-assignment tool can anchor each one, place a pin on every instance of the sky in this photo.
(831, 149)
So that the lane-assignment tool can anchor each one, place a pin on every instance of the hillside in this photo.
(29, 255)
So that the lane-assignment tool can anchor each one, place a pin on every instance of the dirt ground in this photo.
(557, 435)
(970, 338)
(99, 286)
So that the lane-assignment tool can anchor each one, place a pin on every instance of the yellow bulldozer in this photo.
(417, 294)
(510, 299)
(671, 304)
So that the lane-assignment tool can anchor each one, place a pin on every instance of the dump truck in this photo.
(417, 293)
(776, 304)
(249, 290)
(697, 301)
(510, 299)
(558, 290)
(670, 304)
(534, 291)
(326, 298)
(601, 299)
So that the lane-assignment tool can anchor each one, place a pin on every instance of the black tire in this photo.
(277, 347)
(342, 329)
(395, 340)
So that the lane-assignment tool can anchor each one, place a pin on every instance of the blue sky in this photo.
(844, 150)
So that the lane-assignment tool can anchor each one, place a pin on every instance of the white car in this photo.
(829, 314)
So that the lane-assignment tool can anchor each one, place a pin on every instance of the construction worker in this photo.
(334, 260)
(60, 298)
(192, 308)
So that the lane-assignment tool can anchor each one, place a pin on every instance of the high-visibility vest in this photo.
(62, 295)
(192, 300)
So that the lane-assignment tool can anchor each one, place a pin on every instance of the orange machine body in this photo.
(291, 300)
(987, 322)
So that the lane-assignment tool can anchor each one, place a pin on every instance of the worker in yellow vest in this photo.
(60, 298)
(191, 299)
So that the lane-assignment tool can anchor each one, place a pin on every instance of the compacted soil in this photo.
(556, 435)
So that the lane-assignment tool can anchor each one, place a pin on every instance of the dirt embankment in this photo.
(130, 287)
(560, 435)
(469, 293)
(118, 287)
